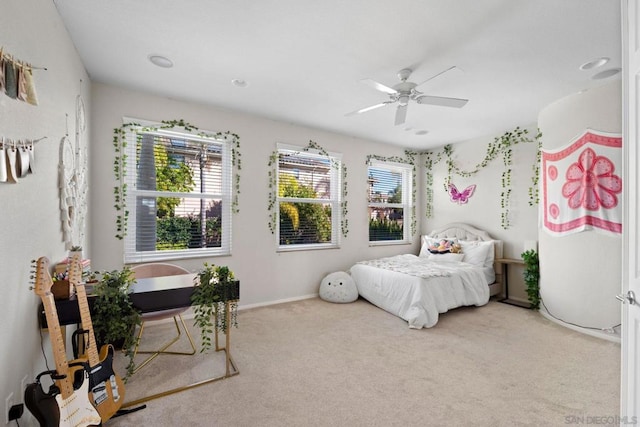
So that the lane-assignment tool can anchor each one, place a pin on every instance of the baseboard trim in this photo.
(189, 314)
(594, 333)
(280, 301)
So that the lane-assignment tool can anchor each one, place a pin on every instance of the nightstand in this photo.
(504, 264)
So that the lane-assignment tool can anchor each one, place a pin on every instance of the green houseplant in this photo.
(215, 286)
(114, 317)
(532, 277)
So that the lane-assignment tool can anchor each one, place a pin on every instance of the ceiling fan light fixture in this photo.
(599, 62)
(160, 61)
(403, 100)
(605, 74)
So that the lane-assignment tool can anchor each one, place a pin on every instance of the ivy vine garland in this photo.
(409, 159)
(120, 164)
(500, 146)
(273, 187)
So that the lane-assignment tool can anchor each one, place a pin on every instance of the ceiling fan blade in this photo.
(372, 107)
(439, 74)
(379, 86)
(442, 101)
(401, 114)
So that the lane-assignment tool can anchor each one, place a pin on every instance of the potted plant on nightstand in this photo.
(532, 277)
(215, 286)
(114, 317)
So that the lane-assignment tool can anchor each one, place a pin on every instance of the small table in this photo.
(505, 262)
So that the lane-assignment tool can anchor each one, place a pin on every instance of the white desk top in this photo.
(161, 283)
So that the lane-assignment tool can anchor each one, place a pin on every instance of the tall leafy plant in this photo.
(532, 277)
(114, 316)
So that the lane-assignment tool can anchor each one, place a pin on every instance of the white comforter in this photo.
(417, 289)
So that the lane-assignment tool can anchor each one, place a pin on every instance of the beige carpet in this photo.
(313, 363)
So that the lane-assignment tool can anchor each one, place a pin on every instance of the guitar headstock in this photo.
(75, 271)
(43, 282)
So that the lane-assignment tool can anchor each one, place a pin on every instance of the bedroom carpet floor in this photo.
(313, 363)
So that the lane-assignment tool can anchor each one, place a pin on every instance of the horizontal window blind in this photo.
(308, 199)
(178, 197)
(389, 201)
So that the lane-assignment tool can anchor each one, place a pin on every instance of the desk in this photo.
(504, 263)
(156, 294)
(147, 295)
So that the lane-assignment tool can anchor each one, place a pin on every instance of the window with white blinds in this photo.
(389, 199)
(179, 195)
(308, 200)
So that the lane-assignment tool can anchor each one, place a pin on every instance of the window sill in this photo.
(296, 248)
(141, 257)
(389, 243)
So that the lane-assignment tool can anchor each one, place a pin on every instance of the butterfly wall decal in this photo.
(461, 197)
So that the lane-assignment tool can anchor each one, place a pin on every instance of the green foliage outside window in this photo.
(385, 229)
(302, 222)
(171, 175)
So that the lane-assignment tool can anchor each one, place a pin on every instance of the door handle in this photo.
(630, 297)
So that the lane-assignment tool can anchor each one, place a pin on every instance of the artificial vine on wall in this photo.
(501, 146)
(273, 186)
(120, 163)
(409, 159)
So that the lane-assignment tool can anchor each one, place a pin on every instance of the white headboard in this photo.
(463, 231)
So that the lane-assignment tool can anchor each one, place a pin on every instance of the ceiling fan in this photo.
(406, 91)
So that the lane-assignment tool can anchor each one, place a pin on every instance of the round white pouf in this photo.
(338, 287)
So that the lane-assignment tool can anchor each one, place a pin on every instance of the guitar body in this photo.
(76, 410)
(106, 389)
(42, 405)
(74, 407)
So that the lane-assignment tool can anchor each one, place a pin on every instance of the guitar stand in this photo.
(230, 367)
(122, 412)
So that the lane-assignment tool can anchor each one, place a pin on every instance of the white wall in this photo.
(580, 274)
(265, 275)
(483, 208)
(29, 212)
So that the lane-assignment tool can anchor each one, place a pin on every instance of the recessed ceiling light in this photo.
(594, 64)
(160, 61)
(422, 132)
(239, 83)
(606, 74)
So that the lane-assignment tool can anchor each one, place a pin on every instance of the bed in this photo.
(417, 288)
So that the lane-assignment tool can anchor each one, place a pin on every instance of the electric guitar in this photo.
(74, 407)
(106, 389)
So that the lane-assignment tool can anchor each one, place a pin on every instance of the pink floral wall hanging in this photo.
(582, 186)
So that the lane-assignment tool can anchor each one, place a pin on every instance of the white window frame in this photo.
(131, 255)
(407, 199)
(335, 160)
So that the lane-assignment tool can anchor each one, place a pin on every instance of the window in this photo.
(308, 198)
(179, 194)
(389, 195)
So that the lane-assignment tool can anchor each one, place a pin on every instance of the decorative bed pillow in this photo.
(478, 253)
(439, 246)
(448, 257)
(443, 246)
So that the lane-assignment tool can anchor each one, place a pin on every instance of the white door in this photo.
(630, 388)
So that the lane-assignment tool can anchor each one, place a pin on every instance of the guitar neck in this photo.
(75, 277)
(57, 344)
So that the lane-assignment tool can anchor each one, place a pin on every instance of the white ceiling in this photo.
(304, 60)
